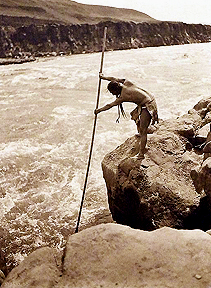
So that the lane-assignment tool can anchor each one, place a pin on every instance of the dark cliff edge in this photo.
(37, 40)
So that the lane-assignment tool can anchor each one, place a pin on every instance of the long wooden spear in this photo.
(94, 128)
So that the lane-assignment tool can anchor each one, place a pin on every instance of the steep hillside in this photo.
(64, 12)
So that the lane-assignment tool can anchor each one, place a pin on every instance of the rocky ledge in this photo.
(113, 255)
(37, 40)
(171, 186)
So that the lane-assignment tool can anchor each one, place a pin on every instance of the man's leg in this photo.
(144, 122)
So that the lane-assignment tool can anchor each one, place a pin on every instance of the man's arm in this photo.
(108, 106)
(111, 78)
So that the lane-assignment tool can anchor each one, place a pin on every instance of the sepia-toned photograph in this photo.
(105, 144)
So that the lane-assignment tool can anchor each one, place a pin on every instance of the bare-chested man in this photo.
(145, 111)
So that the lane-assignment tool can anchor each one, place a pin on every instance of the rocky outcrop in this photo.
(112, 255)
(159, 191)
(56, 39)
(41, 268)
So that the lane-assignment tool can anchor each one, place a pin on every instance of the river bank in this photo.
(9, 61)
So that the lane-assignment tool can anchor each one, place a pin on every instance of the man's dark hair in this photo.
(116, 89)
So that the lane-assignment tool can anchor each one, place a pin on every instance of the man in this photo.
(146, 110)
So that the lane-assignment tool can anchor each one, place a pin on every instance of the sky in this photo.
(187, 11)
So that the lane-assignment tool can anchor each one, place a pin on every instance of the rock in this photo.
(209, 232)
(202, 178)
(158, 191)
(2, 277)
(207, 146)
(201, 175)
(42, 269)
(112, 255)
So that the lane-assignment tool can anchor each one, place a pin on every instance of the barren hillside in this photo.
(64, 11)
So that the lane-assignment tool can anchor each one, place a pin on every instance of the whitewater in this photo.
(46, 125)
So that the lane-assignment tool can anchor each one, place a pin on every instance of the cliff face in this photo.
(54, 39)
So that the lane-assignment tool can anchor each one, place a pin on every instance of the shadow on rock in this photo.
(201, 217)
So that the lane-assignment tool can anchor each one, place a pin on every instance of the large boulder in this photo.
(112, 255)
(42, 269)
(158, 191)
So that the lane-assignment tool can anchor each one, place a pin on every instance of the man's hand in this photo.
(101, 75)
(96, 111)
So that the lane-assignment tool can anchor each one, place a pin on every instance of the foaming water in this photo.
(47, 117)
